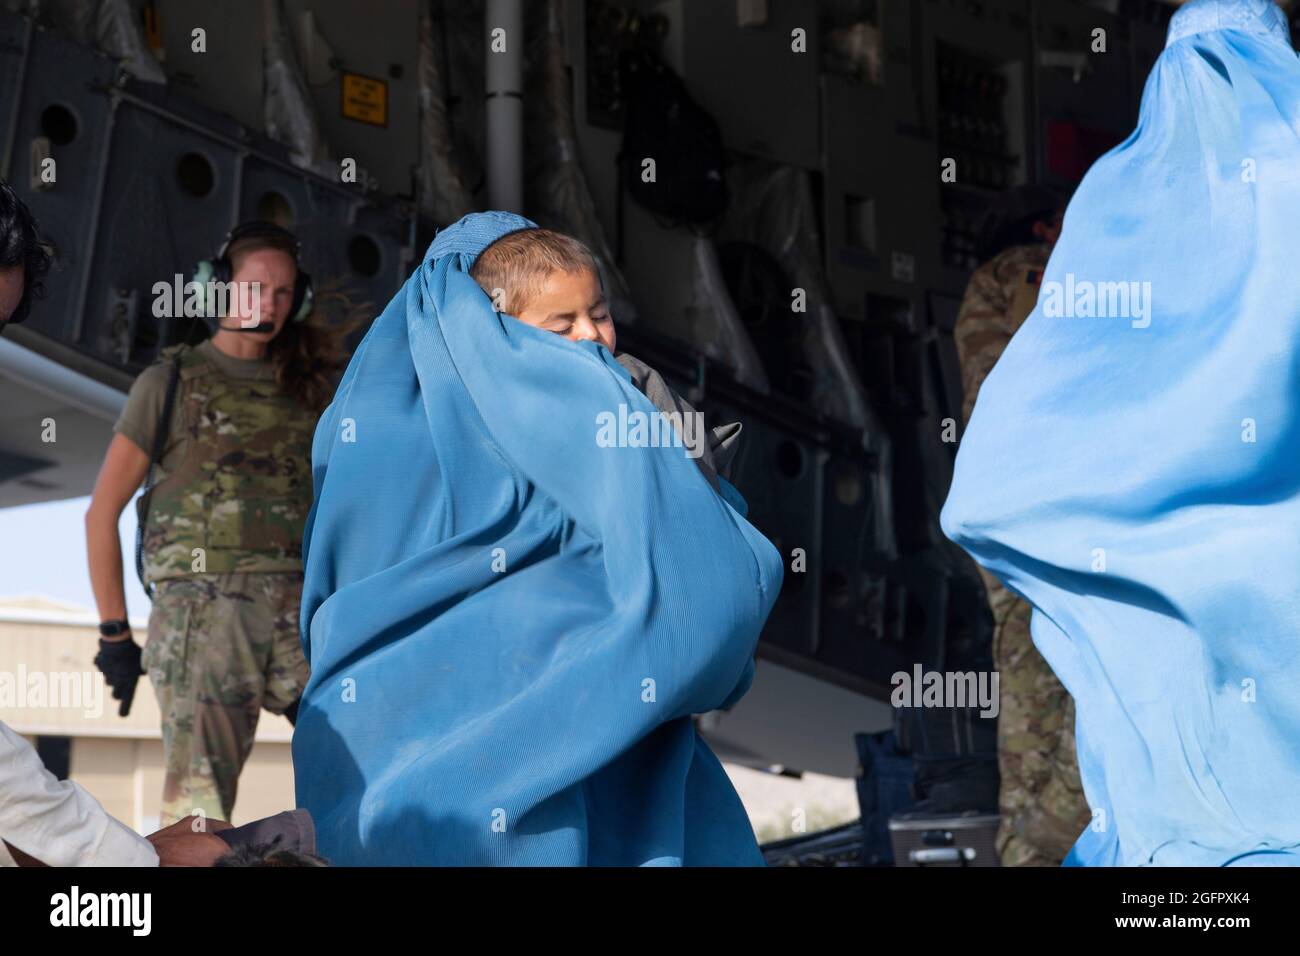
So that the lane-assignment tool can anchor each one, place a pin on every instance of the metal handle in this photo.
(947, 854)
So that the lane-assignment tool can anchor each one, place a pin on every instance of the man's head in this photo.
(23, 258)
(548, 280)
(1047, 228)
(266, 855)
(1022, 216)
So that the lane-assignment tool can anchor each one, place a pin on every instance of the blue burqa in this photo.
(1131, 466)
(509, 626)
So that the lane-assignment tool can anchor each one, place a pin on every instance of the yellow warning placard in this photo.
(365, 99)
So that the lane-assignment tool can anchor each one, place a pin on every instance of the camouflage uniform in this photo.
(1041, 797)
(223, 547)
(221, 647)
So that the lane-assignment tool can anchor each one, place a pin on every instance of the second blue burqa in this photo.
(1131, 466)
(509, 626)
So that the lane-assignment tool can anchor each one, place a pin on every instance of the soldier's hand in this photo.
(119, 661)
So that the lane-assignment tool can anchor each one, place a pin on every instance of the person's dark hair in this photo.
(308, 356)
(1011, 219)
(268, 854)
(20, 245)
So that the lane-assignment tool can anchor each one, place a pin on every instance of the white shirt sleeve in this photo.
(57, 821)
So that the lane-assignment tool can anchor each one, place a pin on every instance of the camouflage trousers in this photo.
(1041, 797)
(221, 647)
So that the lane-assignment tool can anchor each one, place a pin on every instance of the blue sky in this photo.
(44, 553)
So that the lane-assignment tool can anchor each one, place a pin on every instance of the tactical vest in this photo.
(243, 489)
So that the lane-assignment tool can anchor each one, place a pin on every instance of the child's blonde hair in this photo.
(519, 263)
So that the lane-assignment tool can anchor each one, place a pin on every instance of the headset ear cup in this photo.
(304, 297)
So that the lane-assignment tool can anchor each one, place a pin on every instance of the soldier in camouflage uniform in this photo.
(1041, 796)
(223, 549)
(222, 539)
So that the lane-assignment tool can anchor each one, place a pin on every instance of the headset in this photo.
(220, 269)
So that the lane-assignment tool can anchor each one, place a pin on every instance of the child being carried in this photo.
(550, 281)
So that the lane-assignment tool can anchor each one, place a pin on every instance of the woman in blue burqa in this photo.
(1131, 466)
(510, 626)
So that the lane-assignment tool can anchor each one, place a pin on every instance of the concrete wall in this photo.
(118, 759)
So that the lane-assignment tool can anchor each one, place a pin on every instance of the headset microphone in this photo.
(259, 327)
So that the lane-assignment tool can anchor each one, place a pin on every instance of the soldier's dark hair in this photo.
(268, 854)
(308, 356)
(20, 245)
(1011, 219)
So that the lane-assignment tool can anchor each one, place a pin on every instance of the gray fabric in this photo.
(290, 830)
(723, 440)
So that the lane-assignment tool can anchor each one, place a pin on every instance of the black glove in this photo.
(119, 661)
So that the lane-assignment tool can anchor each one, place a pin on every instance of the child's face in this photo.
(572, 304)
